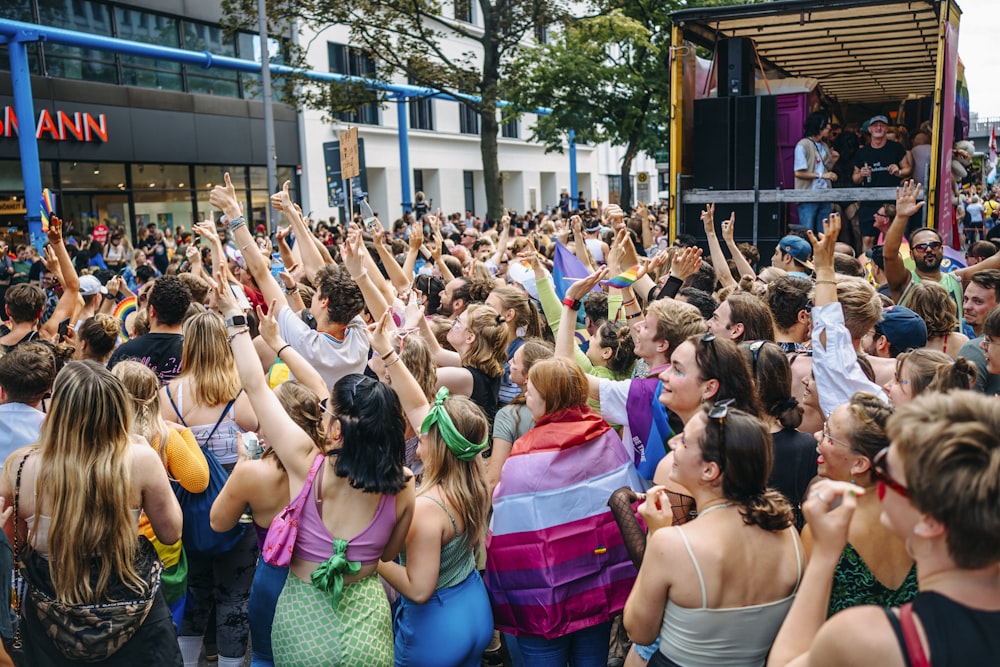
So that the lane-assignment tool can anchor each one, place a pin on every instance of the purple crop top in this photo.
(314, 543)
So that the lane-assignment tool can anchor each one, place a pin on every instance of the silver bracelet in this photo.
(237, 222)
(236, 333)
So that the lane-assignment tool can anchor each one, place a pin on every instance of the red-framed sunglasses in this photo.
(881, 474)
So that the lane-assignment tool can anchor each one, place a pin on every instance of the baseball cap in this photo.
(89, 286)
(877, 257)
(798, 248)
(878, 119)
(903, 328)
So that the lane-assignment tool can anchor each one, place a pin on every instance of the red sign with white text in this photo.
(60, 125)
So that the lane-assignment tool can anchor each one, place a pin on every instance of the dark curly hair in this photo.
(741, 445)
(618, 337)
(171, 298)
(346, 301)
(373, 447)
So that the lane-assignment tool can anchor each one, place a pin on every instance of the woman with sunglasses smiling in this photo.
(939, 485)
(697, 590)
(874, 567)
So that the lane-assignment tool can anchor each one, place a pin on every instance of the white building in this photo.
(444, 151)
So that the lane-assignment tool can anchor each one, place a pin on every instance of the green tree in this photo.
(411, 38)
(605, 76)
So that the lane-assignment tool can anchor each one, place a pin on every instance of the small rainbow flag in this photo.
(122, 311)
(624, 279)
(48, 208)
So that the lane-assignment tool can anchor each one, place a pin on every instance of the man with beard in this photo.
(927, 250)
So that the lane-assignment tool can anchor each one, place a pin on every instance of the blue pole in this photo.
(24, 109)
(572, 168)
(402, 119)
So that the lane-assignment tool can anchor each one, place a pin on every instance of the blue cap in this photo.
(798, 248)
(903, 328)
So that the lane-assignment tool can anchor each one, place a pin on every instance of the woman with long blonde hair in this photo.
(182, 459)
(80, 492)
(207, 398)
(444, 615)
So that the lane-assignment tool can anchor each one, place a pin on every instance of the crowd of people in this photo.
(549, 441)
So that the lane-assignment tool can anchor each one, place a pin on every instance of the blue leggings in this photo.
(267, 584)
(451, 629)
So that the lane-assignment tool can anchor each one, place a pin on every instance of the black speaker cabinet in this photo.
(735, 65)
(725, 142)
(770, 225)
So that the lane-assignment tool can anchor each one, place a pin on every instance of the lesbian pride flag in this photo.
(555, 561)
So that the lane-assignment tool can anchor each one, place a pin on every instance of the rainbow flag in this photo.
(555, 559)
(121, 313)
(623, 279)
(48, 208)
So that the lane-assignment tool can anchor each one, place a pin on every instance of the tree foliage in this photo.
(414, 39)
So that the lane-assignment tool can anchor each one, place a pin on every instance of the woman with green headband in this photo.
(444, 615)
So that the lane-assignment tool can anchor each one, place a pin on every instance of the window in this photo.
(463, 11)
(349, 60)
(511, 129)
(468, 179)
(614, 189)
(422, 113)
(211, 38)
(71, 62)
(468, 119)
(418, 180)
(541, 34)
(140, 26)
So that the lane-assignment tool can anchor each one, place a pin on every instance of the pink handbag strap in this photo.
(294, 508)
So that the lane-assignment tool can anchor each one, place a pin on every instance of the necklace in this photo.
(712, 508)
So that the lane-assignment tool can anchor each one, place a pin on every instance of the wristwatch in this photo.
(236, 321)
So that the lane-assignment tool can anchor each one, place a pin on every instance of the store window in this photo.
(211, 38)
(91, 176)
(71, 62)
(149, 28)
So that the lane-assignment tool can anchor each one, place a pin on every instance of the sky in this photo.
(978, 38)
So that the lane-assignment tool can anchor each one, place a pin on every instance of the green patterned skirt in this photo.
(310, 631)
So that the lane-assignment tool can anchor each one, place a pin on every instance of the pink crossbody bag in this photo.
(280, 540)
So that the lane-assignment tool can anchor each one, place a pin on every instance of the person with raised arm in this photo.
(338, 346)
(332, 609)
(444, 615)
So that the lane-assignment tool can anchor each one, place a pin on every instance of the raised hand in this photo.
(268, 324)
(223, 197)
(728, 227)
(906, 199)
(207, 230)
(823, 247)
(686, 262)
(55, 231)
(708, 219)
(580, 288)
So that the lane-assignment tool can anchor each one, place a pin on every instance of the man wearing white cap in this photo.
(882, 163)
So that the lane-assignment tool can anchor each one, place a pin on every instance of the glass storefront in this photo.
(133, 195)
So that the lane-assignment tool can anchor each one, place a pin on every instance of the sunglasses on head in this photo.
(924, 247)
(755, 349)
(718, 413)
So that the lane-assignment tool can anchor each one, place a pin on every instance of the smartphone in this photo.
(63, 327)
(252, 443)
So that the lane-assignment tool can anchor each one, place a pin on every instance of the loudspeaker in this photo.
(734, 64)
(744, 143)
(712, 149)
(725, 146)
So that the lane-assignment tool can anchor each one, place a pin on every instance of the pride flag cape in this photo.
(555, 561)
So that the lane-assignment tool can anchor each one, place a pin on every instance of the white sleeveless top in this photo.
(731, 637)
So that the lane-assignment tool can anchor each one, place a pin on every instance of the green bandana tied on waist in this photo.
(329, 576)
(456, 442)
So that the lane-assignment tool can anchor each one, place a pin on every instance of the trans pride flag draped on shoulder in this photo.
(555, 561)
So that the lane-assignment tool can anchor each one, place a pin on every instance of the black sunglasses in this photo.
(718, 413)
(924, 247)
